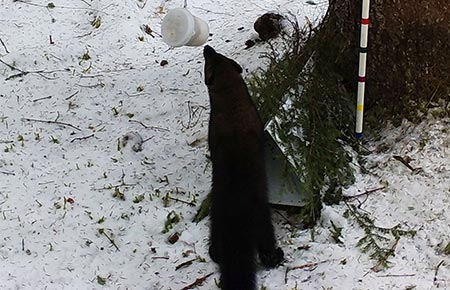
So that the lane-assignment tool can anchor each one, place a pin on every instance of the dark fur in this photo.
(241, 226)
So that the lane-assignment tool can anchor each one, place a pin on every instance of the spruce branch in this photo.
(376, 240)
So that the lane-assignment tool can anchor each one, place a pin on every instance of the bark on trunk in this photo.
(408, 59)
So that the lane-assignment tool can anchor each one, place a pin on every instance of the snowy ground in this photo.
(62, 120)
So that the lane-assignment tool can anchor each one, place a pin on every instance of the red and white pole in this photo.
(362, 67)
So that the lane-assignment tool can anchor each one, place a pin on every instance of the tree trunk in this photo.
(408, 64)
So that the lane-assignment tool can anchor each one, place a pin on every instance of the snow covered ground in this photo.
(80, 209)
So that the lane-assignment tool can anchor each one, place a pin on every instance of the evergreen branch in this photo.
(376, 238)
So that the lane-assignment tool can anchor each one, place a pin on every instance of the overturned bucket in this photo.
(180, 28)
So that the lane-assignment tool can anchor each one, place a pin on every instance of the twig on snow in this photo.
(110, 240)
(40, 99)
(397, 275)
(72, 95)
(435, 282)
(24, 73)
(148, 127)
(92, 86)
(195, 114)
(307, 265)
(160, 258)
(4, 46)
(367, 192)
(87, 3)
(136, 95)
(39, 72)
(110, 186)
(62, 7)
(191, 203)
(51, 122)
(213, 12)
(84, 35)
(197, 282)
(82, 138)
(21, 74)
(7, 173)
(185, 264)
(406, 163)
(10, 66)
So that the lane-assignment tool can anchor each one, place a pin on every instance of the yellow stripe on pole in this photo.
(362, 67)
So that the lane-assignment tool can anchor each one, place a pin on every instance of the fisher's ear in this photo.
(208, 52)
(209, 75)
(210, 57)
(236, 66)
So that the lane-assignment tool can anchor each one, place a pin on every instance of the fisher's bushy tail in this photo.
(238, 265)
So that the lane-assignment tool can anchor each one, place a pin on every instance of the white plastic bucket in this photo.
(180, 27)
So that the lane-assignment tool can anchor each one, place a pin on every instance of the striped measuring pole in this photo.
(362, 67)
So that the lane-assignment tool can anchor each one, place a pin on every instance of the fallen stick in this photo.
(197, 282)
(24, 73)
(397, 275)
(406, 163)
(11, 66)
(307, 265)
(191, 203)
(146, 126)
(111, 241)
(63, 7)
(51, 122)
(7, 173)
(160, 258)
(82, 138)
(72, 95)
(367, 192)
(185, 264)
(40, 99)
(436, 273)
(4, 46)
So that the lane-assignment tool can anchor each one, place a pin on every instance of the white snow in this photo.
(57, 180)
